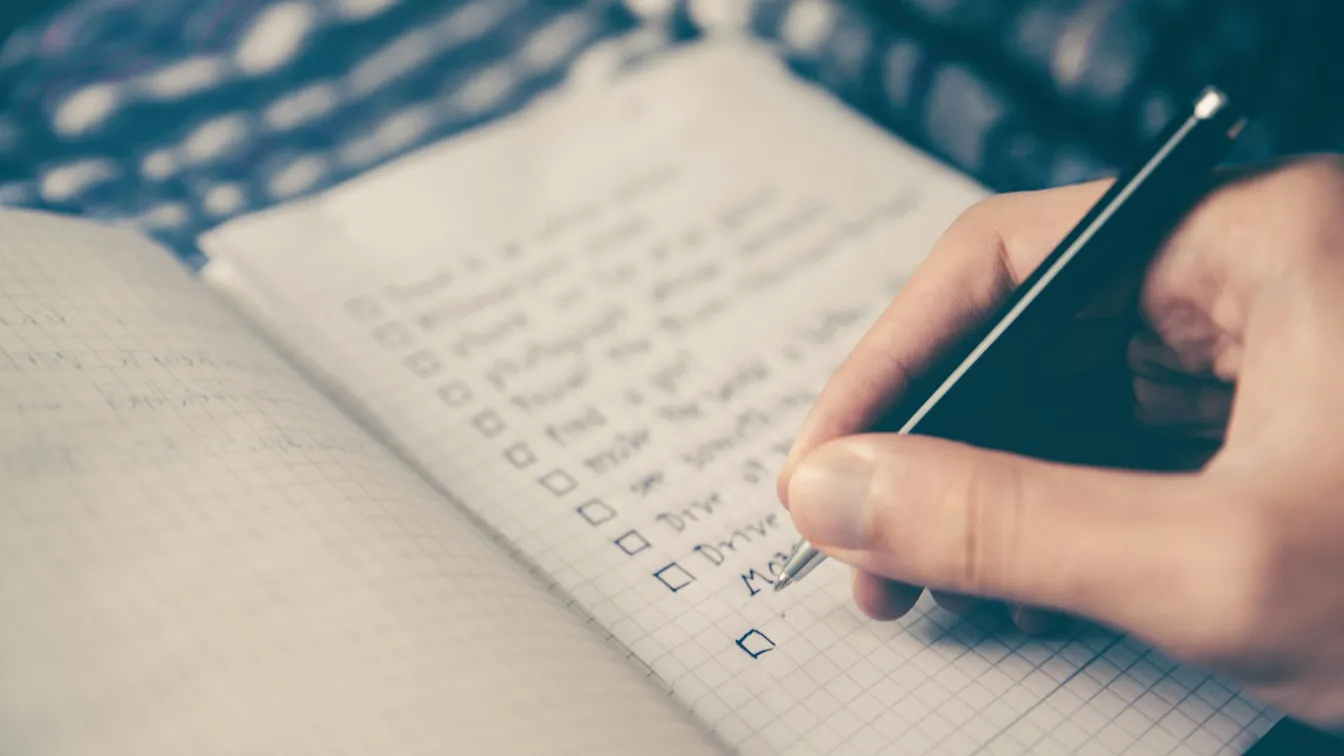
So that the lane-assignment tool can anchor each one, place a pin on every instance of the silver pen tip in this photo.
(783, 581)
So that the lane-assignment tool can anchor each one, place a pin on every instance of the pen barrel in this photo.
(985, 391)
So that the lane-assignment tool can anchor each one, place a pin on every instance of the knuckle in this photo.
(983, 508)
(984, 211)
(987, 217)
(979, 233)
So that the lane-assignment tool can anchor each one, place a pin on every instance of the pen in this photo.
(1125, 227)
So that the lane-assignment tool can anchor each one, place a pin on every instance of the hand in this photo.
(1227, 357)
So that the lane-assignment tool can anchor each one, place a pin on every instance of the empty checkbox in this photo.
(596, 511)
(392, 335)
(455, 394)
(489, 423)
(674, 576)
(520, 455)
(632, 542)
(424, 363)
(558, 482)
(755, 643)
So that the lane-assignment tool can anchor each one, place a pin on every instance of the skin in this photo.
(1224, 362)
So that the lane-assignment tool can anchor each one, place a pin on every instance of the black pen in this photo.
(1123, 229)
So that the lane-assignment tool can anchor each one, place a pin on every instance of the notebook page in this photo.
(199, 555)
(600, 323)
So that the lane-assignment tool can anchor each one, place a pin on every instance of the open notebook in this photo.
(476, 454)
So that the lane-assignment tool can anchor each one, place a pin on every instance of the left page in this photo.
(599, 324)
(200, 556)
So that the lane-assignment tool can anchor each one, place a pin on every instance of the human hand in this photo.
(1231, 555)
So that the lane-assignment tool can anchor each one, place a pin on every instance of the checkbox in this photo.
(632, 542)
(596, 512)
(364, 308)
(489, 423)
(424, 363)
(392, 335)
(558, 482)
(455, 394)
(674, 576)
(755, 643)
(519, 455)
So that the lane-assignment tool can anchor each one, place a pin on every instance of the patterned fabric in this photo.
(175, 115)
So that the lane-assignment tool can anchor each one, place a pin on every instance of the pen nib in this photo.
(782, 582)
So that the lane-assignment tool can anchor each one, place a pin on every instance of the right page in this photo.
(599, 324)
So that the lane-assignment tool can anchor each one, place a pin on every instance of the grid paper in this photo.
(598, 327)
(199, 554)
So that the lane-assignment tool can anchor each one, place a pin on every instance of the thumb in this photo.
(1118, 547)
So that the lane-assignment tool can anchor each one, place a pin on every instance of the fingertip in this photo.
(882, 599)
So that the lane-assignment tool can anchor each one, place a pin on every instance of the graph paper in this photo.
(599, 324)
(200, 555)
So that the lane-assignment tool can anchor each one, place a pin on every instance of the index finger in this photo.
(973, 268)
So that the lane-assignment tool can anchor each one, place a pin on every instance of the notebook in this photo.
(476, 454)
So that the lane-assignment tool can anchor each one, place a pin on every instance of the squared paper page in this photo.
(200, 555)
(600, 323)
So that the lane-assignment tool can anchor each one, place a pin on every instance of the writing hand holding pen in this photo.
(1222, 365)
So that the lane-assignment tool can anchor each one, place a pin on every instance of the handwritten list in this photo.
(587, 371)
(603, 349)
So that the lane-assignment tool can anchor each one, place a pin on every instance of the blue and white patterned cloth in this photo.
(176, 115)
